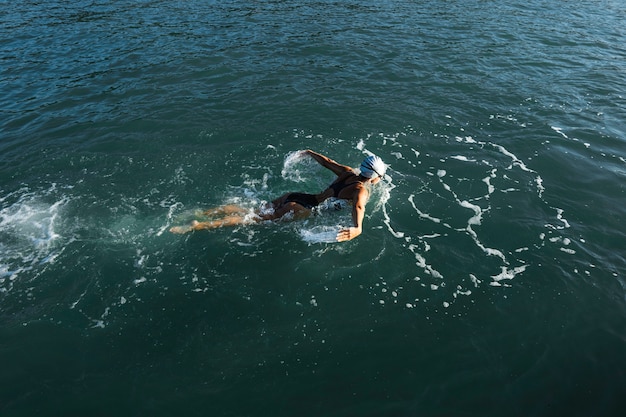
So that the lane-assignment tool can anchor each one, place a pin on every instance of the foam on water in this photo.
(501, 265)
(31, 232)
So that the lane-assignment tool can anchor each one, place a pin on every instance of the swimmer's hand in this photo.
(348, 233)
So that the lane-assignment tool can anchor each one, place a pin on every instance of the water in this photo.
(489, 279)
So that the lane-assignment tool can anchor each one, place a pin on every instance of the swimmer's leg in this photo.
(227, 221)
(226, 210)
(179, 230)
(288, 211)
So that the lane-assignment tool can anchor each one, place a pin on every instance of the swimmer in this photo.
(350, 184)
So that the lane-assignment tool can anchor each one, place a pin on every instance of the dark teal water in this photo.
(488, 281)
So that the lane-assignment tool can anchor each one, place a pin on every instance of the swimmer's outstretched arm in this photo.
(328, 163)
(358, 213)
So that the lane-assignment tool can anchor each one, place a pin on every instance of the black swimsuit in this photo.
(310, 200)
(306, 200)
(340, 185)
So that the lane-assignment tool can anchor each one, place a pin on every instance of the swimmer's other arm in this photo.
(358, 212)
(328, 163)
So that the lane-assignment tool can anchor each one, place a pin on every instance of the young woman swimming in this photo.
(350, 184)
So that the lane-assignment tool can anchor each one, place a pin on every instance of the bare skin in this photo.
(281, 208)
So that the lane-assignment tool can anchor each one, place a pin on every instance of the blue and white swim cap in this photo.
(373, 167)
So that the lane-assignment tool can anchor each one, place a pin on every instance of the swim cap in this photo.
(373, 166)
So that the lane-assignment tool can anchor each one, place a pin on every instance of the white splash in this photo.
(32, 231)
(295, 166)
(320, 234)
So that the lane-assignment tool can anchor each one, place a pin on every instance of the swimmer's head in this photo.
(373, 167)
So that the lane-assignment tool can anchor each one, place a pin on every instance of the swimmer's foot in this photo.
(179, 230)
